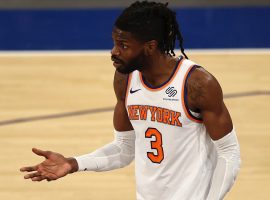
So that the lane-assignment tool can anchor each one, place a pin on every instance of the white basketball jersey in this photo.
(174, 155)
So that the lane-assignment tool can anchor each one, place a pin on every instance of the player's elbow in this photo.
(126, 160)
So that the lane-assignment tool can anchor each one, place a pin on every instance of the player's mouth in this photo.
(116, 62)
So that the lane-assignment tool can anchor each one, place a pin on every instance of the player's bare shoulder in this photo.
(203, 89)
(120, 85)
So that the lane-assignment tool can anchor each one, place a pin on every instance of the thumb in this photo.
(41, 152)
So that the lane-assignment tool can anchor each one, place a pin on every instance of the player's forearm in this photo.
(115, 155)
(228, 165)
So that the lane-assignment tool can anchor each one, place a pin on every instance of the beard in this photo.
(130, 66)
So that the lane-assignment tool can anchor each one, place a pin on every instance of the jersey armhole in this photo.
(184, 96)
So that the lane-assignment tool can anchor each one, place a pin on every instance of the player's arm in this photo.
(120, 118)
(205, 95)
(116, 154)
(120, 152)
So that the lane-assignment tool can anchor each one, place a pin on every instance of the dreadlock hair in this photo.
(152, 21)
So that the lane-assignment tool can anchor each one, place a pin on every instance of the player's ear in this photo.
(150, 47)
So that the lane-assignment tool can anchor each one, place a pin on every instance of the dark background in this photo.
(86, 25)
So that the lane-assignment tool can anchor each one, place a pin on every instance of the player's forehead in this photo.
(120, 35)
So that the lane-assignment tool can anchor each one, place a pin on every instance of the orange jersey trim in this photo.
(162, 87)
(183, 98)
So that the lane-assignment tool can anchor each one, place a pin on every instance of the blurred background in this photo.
(87, 24)
(56, 88)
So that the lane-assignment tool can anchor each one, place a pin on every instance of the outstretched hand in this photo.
(53, 167)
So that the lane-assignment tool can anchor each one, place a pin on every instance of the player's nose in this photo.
(115, 51)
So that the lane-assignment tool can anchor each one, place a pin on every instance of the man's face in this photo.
(127, 53)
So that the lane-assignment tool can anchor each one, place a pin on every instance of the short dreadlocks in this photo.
(152, 21)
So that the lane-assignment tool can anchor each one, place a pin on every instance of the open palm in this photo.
(55, 166)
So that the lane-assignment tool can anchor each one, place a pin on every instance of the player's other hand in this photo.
(53, 167)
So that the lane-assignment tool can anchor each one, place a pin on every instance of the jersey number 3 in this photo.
(155, 145)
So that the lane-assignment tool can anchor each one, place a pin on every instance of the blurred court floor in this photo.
(63, 102)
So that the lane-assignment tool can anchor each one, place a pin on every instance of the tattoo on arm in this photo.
(196, 93)
(195, 90)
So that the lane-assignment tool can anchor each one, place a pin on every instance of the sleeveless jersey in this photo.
(174, 155)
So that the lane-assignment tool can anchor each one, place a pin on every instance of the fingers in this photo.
(29, 169)
(40, 178)
(33, 175)
(37, 176)
(40, 152)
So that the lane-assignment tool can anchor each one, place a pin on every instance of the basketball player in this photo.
(170, 116)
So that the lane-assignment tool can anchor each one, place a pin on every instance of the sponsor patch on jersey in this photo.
(170, 92)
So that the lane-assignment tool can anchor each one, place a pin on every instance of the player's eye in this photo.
(124, 46)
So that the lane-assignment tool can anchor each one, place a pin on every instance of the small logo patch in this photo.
(133, 91)
(171, 91)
